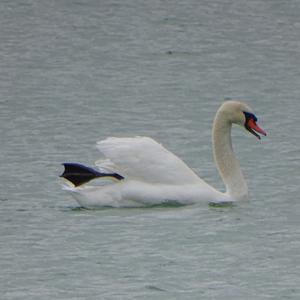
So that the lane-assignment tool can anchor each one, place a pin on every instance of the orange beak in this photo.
(252, 127)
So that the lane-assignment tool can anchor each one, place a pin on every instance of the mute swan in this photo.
(141, 172)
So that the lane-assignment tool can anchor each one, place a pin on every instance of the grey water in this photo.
(75, 72)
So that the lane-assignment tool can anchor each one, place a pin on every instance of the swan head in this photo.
(240, 113)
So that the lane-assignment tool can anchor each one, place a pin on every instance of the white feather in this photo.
(143, 159)
(153, 175)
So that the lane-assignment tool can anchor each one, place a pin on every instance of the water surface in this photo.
(74, 72)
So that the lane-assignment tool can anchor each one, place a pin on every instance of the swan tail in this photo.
(79, 174)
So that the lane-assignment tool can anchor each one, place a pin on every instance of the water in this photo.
(74, 72)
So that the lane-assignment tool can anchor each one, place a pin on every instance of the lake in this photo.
(75, 72)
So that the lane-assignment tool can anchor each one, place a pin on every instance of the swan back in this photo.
(145, 160)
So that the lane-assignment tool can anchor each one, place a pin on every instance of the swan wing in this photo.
(143, 159)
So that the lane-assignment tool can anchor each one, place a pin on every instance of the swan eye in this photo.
(249, 116)
(251, 126)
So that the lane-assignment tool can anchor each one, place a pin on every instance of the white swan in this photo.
(141, 172)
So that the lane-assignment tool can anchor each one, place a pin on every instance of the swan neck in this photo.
(227, 164)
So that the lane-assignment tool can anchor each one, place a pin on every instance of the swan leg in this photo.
(79, 174)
